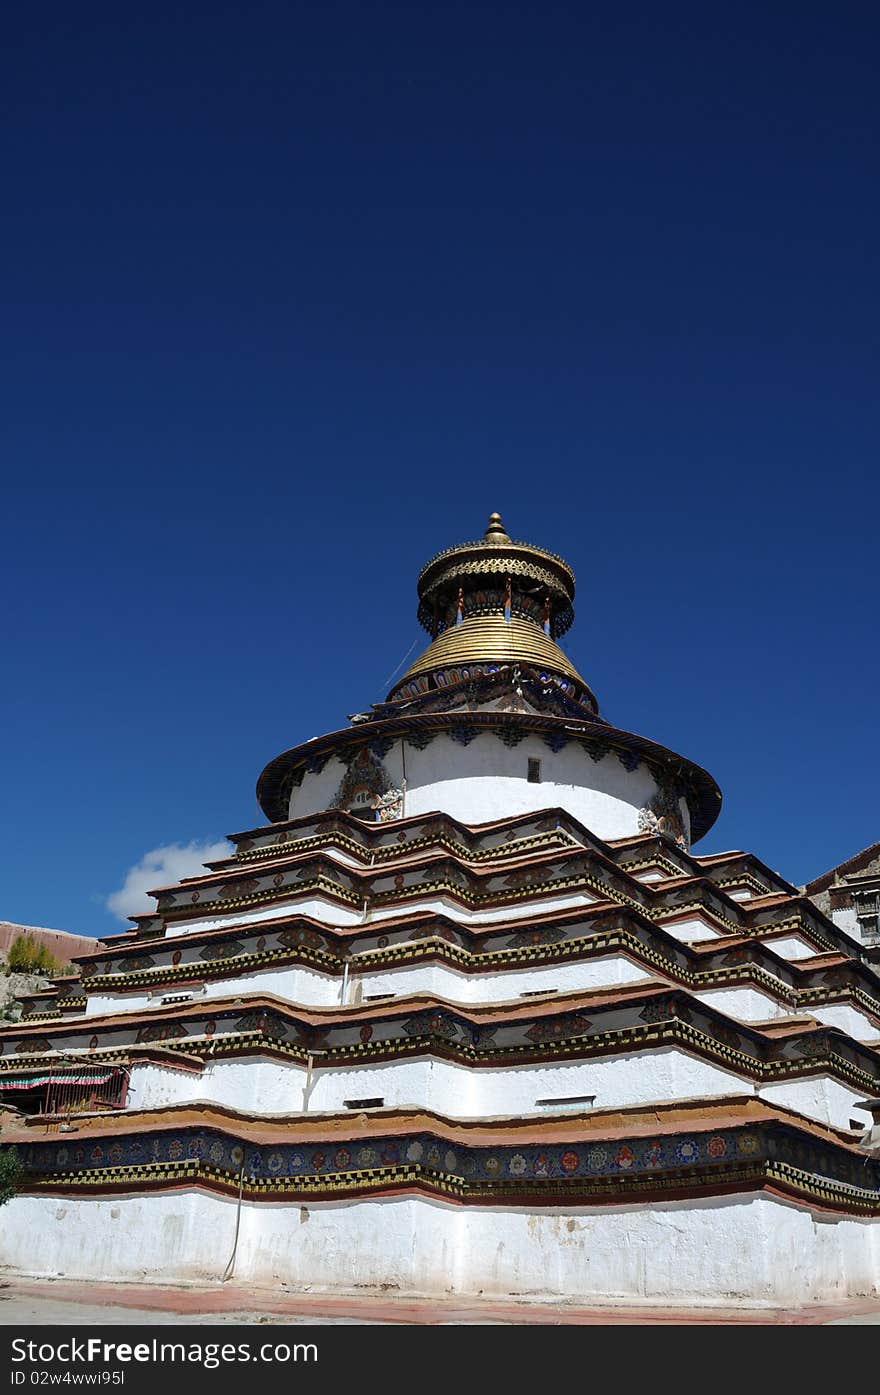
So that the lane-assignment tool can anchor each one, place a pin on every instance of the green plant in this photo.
(10, 1172)
(20, 954)
(46, 963)
(26, 956)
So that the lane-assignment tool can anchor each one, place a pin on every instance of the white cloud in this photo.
(161, 867)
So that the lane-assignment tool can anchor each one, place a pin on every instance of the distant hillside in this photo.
(61, 944)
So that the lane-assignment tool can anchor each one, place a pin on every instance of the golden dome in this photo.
(487, 641)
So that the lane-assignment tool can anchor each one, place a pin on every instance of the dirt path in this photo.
(29, 1302)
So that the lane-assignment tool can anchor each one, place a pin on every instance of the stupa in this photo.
(466, 1015)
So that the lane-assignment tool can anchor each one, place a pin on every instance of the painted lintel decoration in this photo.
(31, 1045)
(226, 949)
(161, 1031)
(571, 1024)
(420, 738)
(236, 891)
(133, 963)
(556, 740)
(663, 1010)
(464, 734)
(538, 936)
(300, 936)
(511, 735)
(438, 1025)
(596, 750)
(260, 1020)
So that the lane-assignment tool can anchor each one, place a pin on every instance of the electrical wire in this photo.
(393, 674)
(228, 1271)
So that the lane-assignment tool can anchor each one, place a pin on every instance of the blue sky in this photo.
(295, 295)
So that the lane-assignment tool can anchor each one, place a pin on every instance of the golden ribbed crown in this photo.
(489, 604)
(485, 565)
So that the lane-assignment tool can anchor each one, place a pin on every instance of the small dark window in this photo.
(375, 1103)
(534, 772)
(566, 1101)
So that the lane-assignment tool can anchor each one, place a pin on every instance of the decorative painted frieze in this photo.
(690, 1157)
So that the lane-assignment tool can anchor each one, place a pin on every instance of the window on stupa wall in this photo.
(567, 1102)
(534, 772)
(868, 913)
(362, 804)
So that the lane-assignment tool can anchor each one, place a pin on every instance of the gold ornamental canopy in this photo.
(484, 564)
(494, 604)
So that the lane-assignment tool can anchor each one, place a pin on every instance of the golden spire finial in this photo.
(495, 531)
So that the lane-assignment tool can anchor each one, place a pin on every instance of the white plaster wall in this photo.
(752, 1248)
(330, 913)
(443, 905)
(184, 1236)
(792, 947)
(739, 1248)
(848, 1018)
(746, 1004)
(310, 988)
(295, 984)
(506, 986)
(819, 1097)
(318, 907)
(486, 780)
(263, 1085)
(693, 928)
(99, 1003)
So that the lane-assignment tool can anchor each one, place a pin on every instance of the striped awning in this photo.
(35, 1080)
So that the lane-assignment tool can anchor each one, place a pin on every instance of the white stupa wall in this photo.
(331, 913)
(791, 947)
(487, 780)
(267, 1086)
(849, 1019)
(305, 987)
(746, 1004)
(819, 1097)
(692, 929)
(711, 1253)
(310, 988)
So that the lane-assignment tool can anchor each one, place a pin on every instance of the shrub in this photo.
(10, 1171)
(26, 956)
(46, 963)
(20, 954)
